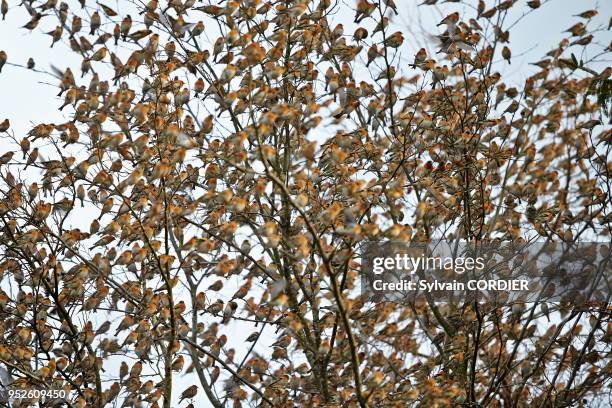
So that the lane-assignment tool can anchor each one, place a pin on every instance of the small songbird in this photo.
(107, 10)
(364, 10)
(534, 4)
(450, 20)
(177, 364)
(391, 4)
(6, 157)
(99, 55)
(189, 393)
(506, 54)
(4, 8)
(577, 29)
(589, 14)
(3, 58)
(394, 40)
(360, 34)
(33, 23)
(5, 125)
(56, 34)
(228, 311)
(126, 25)
(95, 23)
(420, 57)
(31, 63)
(372, 54)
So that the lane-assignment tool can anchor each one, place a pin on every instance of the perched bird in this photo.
(391, 4)
(577, 30)
(373, 53)
(107, 10)
(364, 10)
(126, 25)
(189, 393)
(3, 58)
(33, 156)
(589, 14)
(31, 63)
(6, 157)
(450, 20)
(33, 23)
(5, 125)
(534, 4)
(360, 34)
(506, 54)
(177, 364)
(95, 23)
(4, 9)
(420, 57)
(395, 40)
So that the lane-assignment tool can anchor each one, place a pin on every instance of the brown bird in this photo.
(534, 4)
(31, 63)
(391, 4)
(107, 10)
(33, 23)
(577, 30)
(126, 25)
(3, 58)
(364, 10)
(189, 393)
(56, 35)
(177, 364)
(372, 54)
(76, 25)
(586, 40)
(506, 54)
(5, 125)
(394, 40)
(6, 157)
(95, 23)
(4, 9)
(589, 14)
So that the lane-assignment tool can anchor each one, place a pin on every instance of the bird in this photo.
(6, 157)
(391, 4)
(95, 22)
(177, 364)
(126, 25)
(373, 53)
(4, 9)
(450, 20)
(33, 23)
(506, 54)
(5, 125)
(364, 10)
(189, 393)
(577, 30)
(420, 57)
(56, 34)
(30, 64)
(107, 10)
(103, 328)
(395, 40)
(534, 4)
(3, 58)
(589, 14)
